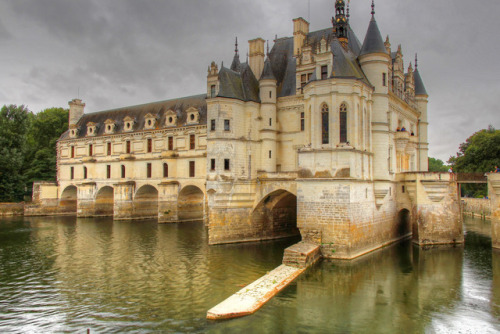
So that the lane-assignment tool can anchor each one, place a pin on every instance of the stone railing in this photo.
(476, 206)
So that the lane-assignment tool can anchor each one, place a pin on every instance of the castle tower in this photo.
(340, 24)
(268, 132)
(375, 62)
(421, 99)
(76, 110)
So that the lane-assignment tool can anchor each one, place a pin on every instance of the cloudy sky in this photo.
(115, 53)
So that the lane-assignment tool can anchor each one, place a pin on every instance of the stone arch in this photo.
(403, 223)
(68, 199)
(104, 201)
(276, 215)
(191, 203)
(146, 202)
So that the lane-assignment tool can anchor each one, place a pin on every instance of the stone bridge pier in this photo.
(494, 195)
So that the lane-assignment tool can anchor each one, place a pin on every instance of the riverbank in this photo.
(12, 209)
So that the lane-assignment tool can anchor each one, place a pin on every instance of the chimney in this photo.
(300, 31)
(256, 56)
(75, 111)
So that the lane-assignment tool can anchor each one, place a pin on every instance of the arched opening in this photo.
(68, 200)
(403, 223)
(104, 202)
(343, 123)
(276, 215)
(325, 133)
(146, 202)
(190, 203)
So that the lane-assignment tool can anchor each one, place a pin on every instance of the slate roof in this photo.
(419, 84)
(138, 112)
(373, 40)
(267, 73)
(241, 85)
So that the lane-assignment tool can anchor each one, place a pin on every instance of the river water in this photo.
(72, 275)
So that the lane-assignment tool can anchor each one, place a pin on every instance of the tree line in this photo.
(28, 148)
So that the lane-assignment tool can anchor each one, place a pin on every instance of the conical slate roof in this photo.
(373, 40)
(419, 84)
(267, 74)
(235, 66)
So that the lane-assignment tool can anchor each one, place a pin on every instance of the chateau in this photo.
(320, 135)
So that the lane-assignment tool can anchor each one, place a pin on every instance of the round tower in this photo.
(268, 132)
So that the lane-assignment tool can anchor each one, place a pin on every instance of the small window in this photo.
(403, 189)
(270, 154)
(123, 171)
(270, 122)
(212, 164)
(384, 79)
(170, 143)
(128, 147)
(91, 150)
(303, 80)
(72, 173)
(192, 142)
(227, 125)
(149, 122)
(149, 170)
(108, 171)
(324, 72)
(302, 121)
(109, 148)
(165, 170)
(212, 91)
(227, 164)
(191, 117)
(212, 125)
(72, 151)
(191, 169)
(84, 173)
(270, 94)
(150, 145)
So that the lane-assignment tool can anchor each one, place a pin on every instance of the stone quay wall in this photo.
(476, 206)
(11, 209)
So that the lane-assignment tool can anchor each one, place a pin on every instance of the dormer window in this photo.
(128, 124)
(91, 129)
(109, 126)
(150, 121)
(73, 131)
(171, 118)
(193, 116)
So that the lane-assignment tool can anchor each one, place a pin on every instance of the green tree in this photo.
(14, 125)
(46, 128)
(437, 165)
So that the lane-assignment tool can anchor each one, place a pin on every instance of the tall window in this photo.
(212, 91)
(384, 79)
(84, 172)
(149, 170)
(212, 125)
(302, 121)
(270, 154)
(123, 171)
(109, 148)
(303, 80)
(227, 125)
(90, 150)
(72, 151)
(324, 72)
(191, 169)
(165, 170)
(270, 122)
(227, 164)
(72, 173)
(192, 142)
(128, 146)
(108, 171)
(212, 164)
(150, 145)
(343, 123)
(325, 134)
(170, 143)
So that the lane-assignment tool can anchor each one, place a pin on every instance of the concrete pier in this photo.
(251, 298)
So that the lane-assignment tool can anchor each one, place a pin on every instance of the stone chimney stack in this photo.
(300, 31)
(256, 56)
(75, 111)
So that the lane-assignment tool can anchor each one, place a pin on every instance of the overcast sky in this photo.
(115, 53)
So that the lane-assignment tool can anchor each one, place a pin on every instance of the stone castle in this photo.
(321, 135)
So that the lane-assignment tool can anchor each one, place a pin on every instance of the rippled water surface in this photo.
(70, 275)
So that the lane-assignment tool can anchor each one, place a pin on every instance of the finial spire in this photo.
(348, 7)
(416, 62)
(236, 46)
(267, 48)
(373, 8)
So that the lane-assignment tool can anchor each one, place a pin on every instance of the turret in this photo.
(212, 80)
(340, 24)
(76, 110)
(421, 99)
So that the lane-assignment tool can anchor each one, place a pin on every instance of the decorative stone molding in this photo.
(171, 118)
(88, 159)
(411, 188)
(411, 147)
(435, 190)
(379, 196)
(193, 116)
(127, 156)
(401, 138)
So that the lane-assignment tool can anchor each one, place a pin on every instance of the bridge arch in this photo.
(191, 203)
(68, 199)
(146, 202)
(403, 223)
(104, 201)
(276, 214)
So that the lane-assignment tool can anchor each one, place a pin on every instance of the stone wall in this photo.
(476, 206)
(494, 194)
(11, 209)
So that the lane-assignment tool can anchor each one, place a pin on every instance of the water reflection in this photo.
(67, 274)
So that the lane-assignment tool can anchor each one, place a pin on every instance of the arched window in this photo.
(325, 134)
(343, 123)
(165, 170)
(123, 171)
